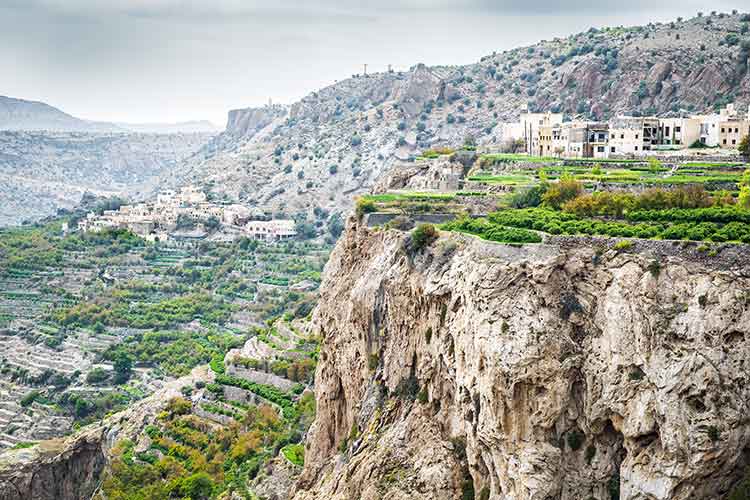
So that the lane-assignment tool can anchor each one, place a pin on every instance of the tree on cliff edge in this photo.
(744, 146)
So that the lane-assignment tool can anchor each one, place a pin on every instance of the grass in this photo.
(23, 445)
(295, 453)
(413, 196)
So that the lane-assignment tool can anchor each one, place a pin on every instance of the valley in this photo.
(524, 278)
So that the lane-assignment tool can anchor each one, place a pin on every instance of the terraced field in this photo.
(89, 324)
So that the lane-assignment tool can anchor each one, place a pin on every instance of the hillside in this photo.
(20, 114)
(41, 172)
(336, 142)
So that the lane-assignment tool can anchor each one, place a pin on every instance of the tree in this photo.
(744, 199)
(562, 191)
(654, 165)
(212, 222)
(123, 366)
(744, 146)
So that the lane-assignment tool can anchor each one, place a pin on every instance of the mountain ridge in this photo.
(338, 141)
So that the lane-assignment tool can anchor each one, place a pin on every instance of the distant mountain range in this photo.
(22, 115)
(189, 127)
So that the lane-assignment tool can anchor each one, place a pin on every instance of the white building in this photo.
(271, 230)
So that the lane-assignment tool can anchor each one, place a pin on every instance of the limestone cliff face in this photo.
(526, 373)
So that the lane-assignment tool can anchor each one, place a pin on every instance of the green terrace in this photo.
(636, 174)
(565, 208)
(497, 158)
(414, 202)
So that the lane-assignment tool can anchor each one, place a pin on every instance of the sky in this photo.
(177, 60)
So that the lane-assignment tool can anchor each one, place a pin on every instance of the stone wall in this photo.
(714, 255)
(260, 377)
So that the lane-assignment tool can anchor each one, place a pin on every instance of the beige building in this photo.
(529, 128)
(271, 230)
(633, 135)
(679, 131)
(732, 132)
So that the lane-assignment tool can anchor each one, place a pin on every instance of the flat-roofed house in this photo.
(710, 125)
(271, 230)
(597, 140)
(530, 124)
(629, 135)
(731, 133)
(679, 131)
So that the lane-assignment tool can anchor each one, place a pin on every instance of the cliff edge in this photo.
(470, 369)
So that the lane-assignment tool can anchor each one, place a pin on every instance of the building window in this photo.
(600, 149)
(622, 136)
(678, 129)
(636, 148)
(725, 141)
(722, 130)
(612, 149)
(734, 141)
(636, 136)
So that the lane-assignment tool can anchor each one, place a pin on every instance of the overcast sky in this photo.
(176, 60)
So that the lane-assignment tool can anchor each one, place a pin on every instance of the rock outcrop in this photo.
(71, 468)
(526, 373)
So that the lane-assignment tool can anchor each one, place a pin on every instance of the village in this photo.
(185, 217)
(547, 134)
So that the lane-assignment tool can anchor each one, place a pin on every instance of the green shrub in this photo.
(295, 453)
(365, 206)
(623, 245)
(654, 267)
(590, 453)
(423, 235)
(29, 398)
(373, 361)
(467, 489)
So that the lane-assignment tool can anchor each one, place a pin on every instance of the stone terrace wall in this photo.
(260, 377)
(729, 256)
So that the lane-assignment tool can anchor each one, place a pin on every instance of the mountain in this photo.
(189, 127)
(336, 142)
(19, 114)
(42, 171)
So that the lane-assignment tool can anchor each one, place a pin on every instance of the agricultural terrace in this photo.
(521, 170)
(91, 322)
(631, 198)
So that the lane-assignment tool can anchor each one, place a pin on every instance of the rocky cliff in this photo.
(479, 370)
(71, 468)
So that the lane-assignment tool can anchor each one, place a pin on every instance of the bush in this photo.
(423, 236)
(561, 192)
(295, 453)
(365, 206)
(29, 398)
(97, 376)
(744, 146)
